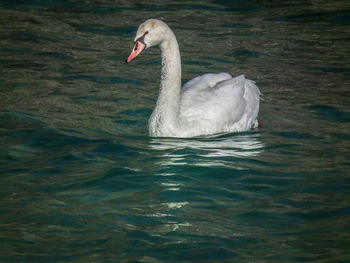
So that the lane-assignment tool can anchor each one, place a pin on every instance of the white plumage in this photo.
(208, 104)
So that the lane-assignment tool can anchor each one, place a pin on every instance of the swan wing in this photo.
(205, 81)
(215, 103)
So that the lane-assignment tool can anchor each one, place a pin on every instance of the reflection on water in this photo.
(208, 150)
(215, 151)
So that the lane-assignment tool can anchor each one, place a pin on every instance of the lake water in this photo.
(81, 180)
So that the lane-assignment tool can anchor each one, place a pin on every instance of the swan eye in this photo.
(146, 32)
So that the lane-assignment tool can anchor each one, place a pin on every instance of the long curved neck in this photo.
(164, 119)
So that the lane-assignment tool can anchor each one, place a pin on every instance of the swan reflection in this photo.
(229, 151)
(208, 151)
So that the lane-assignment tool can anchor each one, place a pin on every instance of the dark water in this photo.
(81, 181)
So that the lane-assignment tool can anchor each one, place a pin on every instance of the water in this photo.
(81, 181)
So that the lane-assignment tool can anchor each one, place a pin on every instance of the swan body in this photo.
(208, 104)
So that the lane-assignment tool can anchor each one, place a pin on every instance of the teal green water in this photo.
(81, 181)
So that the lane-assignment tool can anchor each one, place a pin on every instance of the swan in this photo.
(206, 105)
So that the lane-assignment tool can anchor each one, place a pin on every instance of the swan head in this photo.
(150, 33)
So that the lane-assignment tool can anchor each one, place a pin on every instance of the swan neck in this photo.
(164, 119)
(171, 64)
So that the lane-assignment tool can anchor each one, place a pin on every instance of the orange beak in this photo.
(137, 49)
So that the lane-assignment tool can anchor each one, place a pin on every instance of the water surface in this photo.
(81, 180)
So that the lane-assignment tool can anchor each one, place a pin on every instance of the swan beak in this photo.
(137, 49)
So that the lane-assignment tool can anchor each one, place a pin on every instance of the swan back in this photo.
(206, 81)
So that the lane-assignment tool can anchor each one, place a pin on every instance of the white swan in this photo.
(208, 104)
